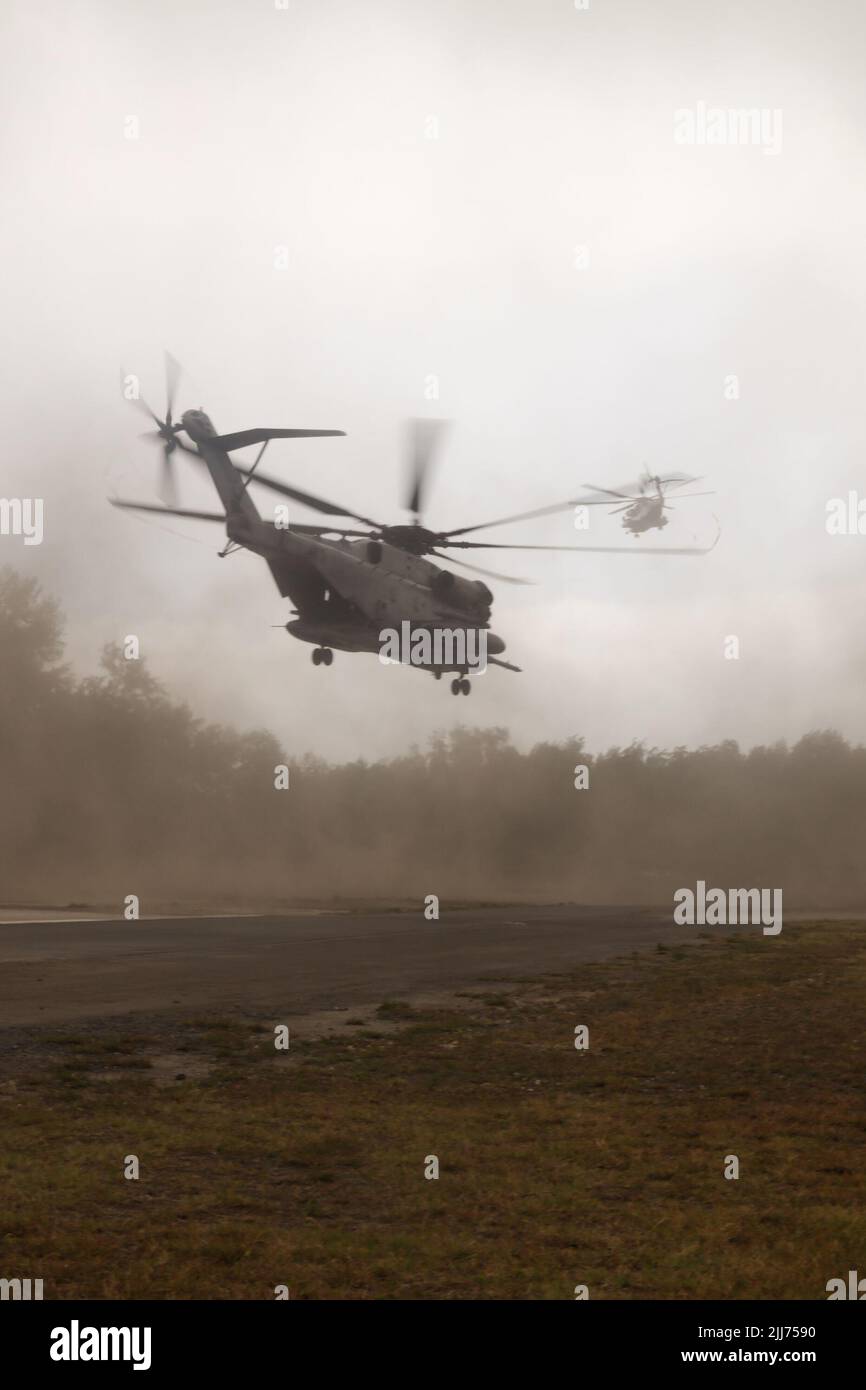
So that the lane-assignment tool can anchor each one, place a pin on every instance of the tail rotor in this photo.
(166, 431)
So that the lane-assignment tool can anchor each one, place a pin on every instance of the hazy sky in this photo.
(432, 170)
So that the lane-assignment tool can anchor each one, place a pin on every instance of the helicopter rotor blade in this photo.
(167, 484)
(172, 377)
(141, 404)
(138, 402)
(425, 440)
(168, 511)
(194, 515)
(304, 530)
(548, 511)
(318, 504)
(167, 479)
(519, 516)
(598, 549)
(491, 574)
(612, 492)
(625, 497)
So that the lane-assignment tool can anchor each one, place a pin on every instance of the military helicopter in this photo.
(645, 500)
(348, 585)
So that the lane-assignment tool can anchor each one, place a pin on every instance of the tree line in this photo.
(109, 785)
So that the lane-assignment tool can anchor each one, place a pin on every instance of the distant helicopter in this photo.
(347, 591)
(645, 500)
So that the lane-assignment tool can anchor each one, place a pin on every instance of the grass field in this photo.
(558, 1167)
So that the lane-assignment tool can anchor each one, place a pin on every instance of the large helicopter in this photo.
(348, 585)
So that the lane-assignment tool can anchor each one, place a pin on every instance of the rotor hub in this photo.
(416, 539)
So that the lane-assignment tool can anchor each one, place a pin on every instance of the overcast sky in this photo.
(432, 171)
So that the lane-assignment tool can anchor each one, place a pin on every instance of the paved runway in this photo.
(51, 971)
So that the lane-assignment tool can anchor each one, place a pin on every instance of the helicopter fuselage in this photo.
(646, 514)
(382, 583)
(347, 593)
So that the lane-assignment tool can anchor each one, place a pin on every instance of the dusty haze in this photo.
(113, 787)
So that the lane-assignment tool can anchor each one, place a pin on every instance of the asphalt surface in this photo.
(52, 971)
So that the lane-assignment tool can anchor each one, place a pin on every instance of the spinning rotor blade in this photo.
(166, 431)
(625, 497)
(661, 497)
(172, 377)
(167, 485)
(304, 530)
(167, 481)
(634, 491)
(141, 404)
(611, 492)
(503, 520)
(221, 516)
(318, 504)
(167, 511)
(608, 549)
(425, 438)
(503, 578)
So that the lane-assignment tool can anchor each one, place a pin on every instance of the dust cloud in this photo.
(111, 786)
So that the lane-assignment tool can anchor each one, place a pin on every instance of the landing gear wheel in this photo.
(317, 656)
(455, 687)
(465, 686)
(327, 656)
